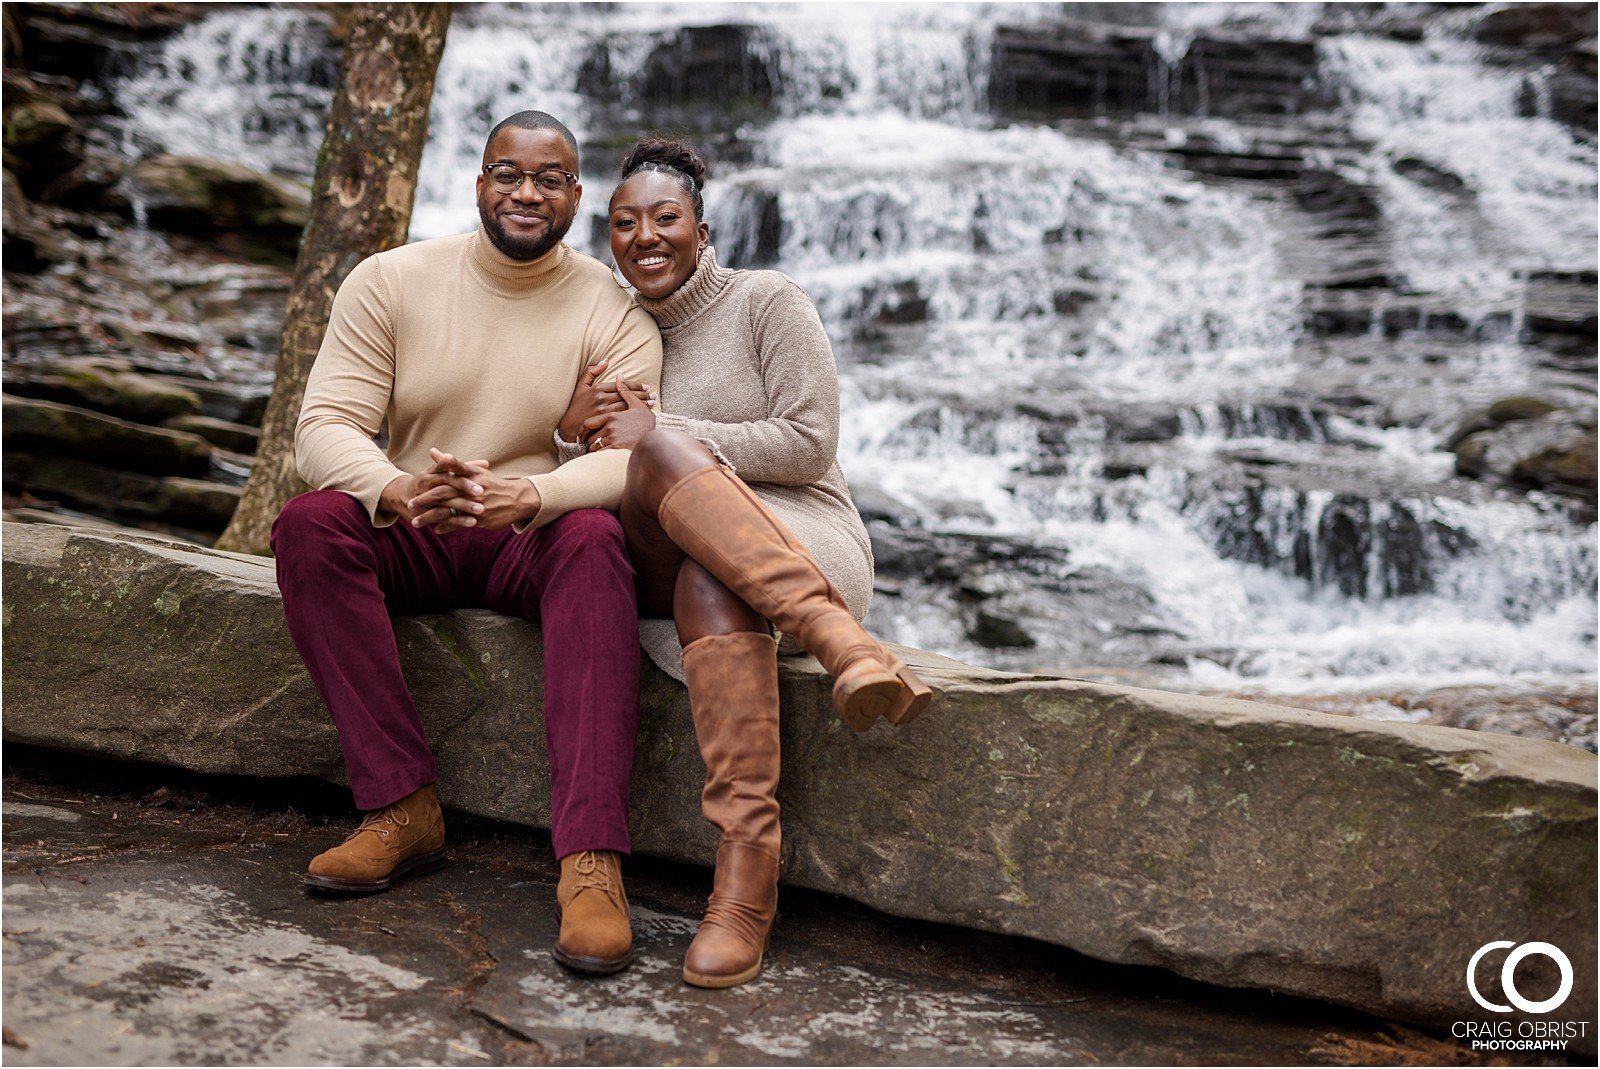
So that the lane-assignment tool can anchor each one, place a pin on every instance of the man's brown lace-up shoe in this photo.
(402, 838)
(596, 936)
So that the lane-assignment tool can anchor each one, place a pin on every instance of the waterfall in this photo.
(1474, 191)
(1083, 384)
(253, 88)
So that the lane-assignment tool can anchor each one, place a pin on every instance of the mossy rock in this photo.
(109, 386)
(220, 432)
(1472, 456)
(1510, 409)
(41, 142)
(1568, 469)
(188, 503)
(191, 194)
(30, 245)
(35, 125)
(195, 503)
(78, 432)
(1472, 423)
(1553, 451)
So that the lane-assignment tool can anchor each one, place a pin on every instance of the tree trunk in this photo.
(360, 204)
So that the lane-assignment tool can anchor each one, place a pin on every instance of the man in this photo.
(471, 346)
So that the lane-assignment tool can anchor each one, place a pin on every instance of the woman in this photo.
(741, 455)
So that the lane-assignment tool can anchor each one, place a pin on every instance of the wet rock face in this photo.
(1530, 444)
(72, 39)
(1082, 70)
(114, 332)
(1550, 25)
(78, 432)
(1360, 546)
(712, 66)
(110, 386)
(757, 245)
(693, 78)
(1132, 825)
(208, 197)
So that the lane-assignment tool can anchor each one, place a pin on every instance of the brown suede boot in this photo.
(733, 692)
(716, 519)
(403, 838)
(596, 936)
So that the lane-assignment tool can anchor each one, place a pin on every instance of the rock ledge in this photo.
(1232, 842)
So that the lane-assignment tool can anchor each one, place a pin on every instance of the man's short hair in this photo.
(534, 120)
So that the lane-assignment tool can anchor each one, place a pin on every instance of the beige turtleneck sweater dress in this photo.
(748, 370)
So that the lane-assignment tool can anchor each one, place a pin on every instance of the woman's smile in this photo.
(654, 236)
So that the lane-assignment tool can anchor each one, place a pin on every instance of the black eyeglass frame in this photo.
(523, 176)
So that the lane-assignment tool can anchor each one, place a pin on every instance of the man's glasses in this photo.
(552, 181)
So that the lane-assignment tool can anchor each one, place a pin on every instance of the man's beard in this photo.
(522, 248)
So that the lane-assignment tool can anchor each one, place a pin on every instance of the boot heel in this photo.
(894, 693)
(860, 700)
(914, 697)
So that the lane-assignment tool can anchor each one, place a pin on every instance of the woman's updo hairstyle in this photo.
(669, 156)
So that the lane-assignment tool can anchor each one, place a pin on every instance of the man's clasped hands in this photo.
(454, 494)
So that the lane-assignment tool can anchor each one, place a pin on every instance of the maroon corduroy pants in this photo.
(342, 578)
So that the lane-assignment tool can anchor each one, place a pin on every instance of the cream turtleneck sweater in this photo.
(452, 344)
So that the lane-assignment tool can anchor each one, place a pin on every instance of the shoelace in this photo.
(591, 872)
(392, 815)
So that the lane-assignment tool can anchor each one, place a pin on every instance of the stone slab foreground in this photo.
(1232, 842)
(456, 970)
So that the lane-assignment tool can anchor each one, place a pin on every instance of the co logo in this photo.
(1508, 973)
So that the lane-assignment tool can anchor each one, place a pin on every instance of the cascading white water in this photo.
(1514, 188)
(253, 88)
(1001, 293)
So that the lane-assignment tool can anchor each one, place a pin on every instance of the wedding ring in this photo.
(453, 512)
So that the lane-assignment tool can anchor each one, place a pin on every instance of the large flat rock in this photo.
(140, 930)
(1232, 842)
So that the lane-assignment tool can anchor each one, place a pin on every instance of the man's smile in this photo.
(525, 216)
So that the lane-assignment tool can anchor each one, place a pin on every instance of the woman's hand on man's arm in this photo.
(593, 397)
(621, 428)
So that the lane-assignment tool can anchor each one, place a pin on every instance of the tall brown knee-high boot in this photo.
(733, 691)
(716, 519)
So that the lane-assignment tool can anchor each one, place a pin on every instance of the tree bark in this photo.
(360, 204)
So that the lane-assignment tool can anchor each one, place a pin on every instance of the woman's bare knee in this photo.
(669, 453)
(661, 459)
(702, 606)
